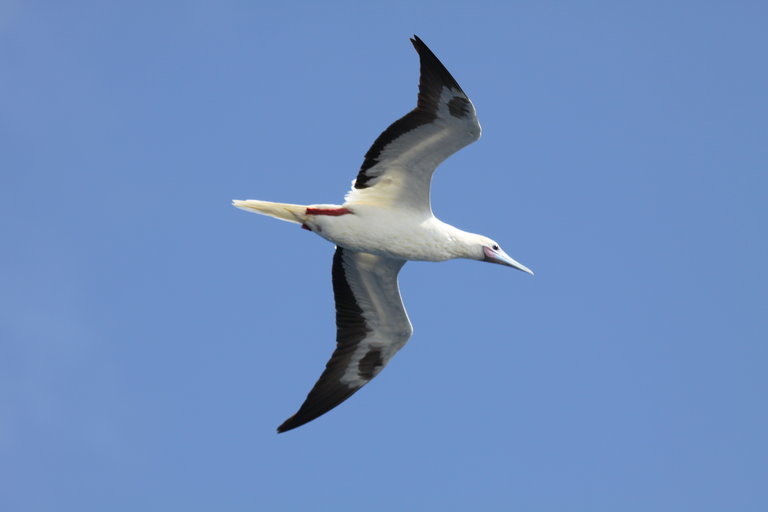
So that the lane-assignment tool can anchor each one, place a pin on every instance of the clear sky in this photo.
(152, 336)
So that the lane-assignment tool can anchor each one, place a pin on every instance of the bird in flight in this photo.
(386, 220)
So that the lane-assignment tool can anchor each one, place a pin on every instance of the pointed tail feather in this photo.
(283, 211)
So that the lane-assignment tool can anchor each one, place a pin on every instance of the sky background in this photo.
(152, 337)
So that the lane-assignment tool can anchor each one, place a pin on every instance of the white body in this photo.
(392, 233)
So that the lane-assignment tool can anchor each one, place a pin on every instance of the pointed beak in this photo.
(503, 258)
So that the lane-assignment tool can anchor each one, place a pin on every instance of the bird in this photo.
(386, 219)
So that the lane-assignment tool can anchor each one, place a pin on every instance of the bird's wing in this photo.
(371, 326)
(398, 168)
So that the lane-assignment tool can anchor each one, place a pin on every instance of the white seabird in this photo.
(387, 219)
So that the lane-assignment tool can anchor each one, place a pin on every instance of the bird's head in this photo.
(484, 249)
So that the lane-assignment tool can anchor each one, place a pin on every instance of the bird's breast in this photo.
(390, 234)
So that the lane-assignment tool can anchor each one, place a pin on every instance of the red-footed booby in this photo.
(386, 220)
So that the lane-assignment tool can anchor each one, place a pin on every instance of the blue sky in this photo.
(153, 336)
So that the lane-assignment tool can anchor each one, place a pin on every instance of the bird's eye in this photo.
(495, 247)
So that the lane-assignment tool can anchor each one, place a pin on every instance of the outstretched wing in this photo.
(371, 324)
(398, 168)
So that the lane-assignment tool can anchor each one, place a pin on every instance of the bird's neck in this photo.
(460, 243)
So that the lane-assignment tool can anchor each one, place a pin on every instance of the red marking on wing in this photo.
(333, 212)
(304, 226)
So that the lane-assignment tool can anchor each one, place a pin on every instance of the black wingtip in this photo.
(306, 414)
(418, 43)
(302, 417)
(293, 422)
(286, 426)
(431, 67)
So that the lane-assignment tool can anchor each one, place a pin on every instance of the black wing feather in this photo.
(433, 78)
(351, 329)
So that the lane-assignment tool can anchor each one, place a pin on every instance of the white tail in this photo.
(283, 211)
